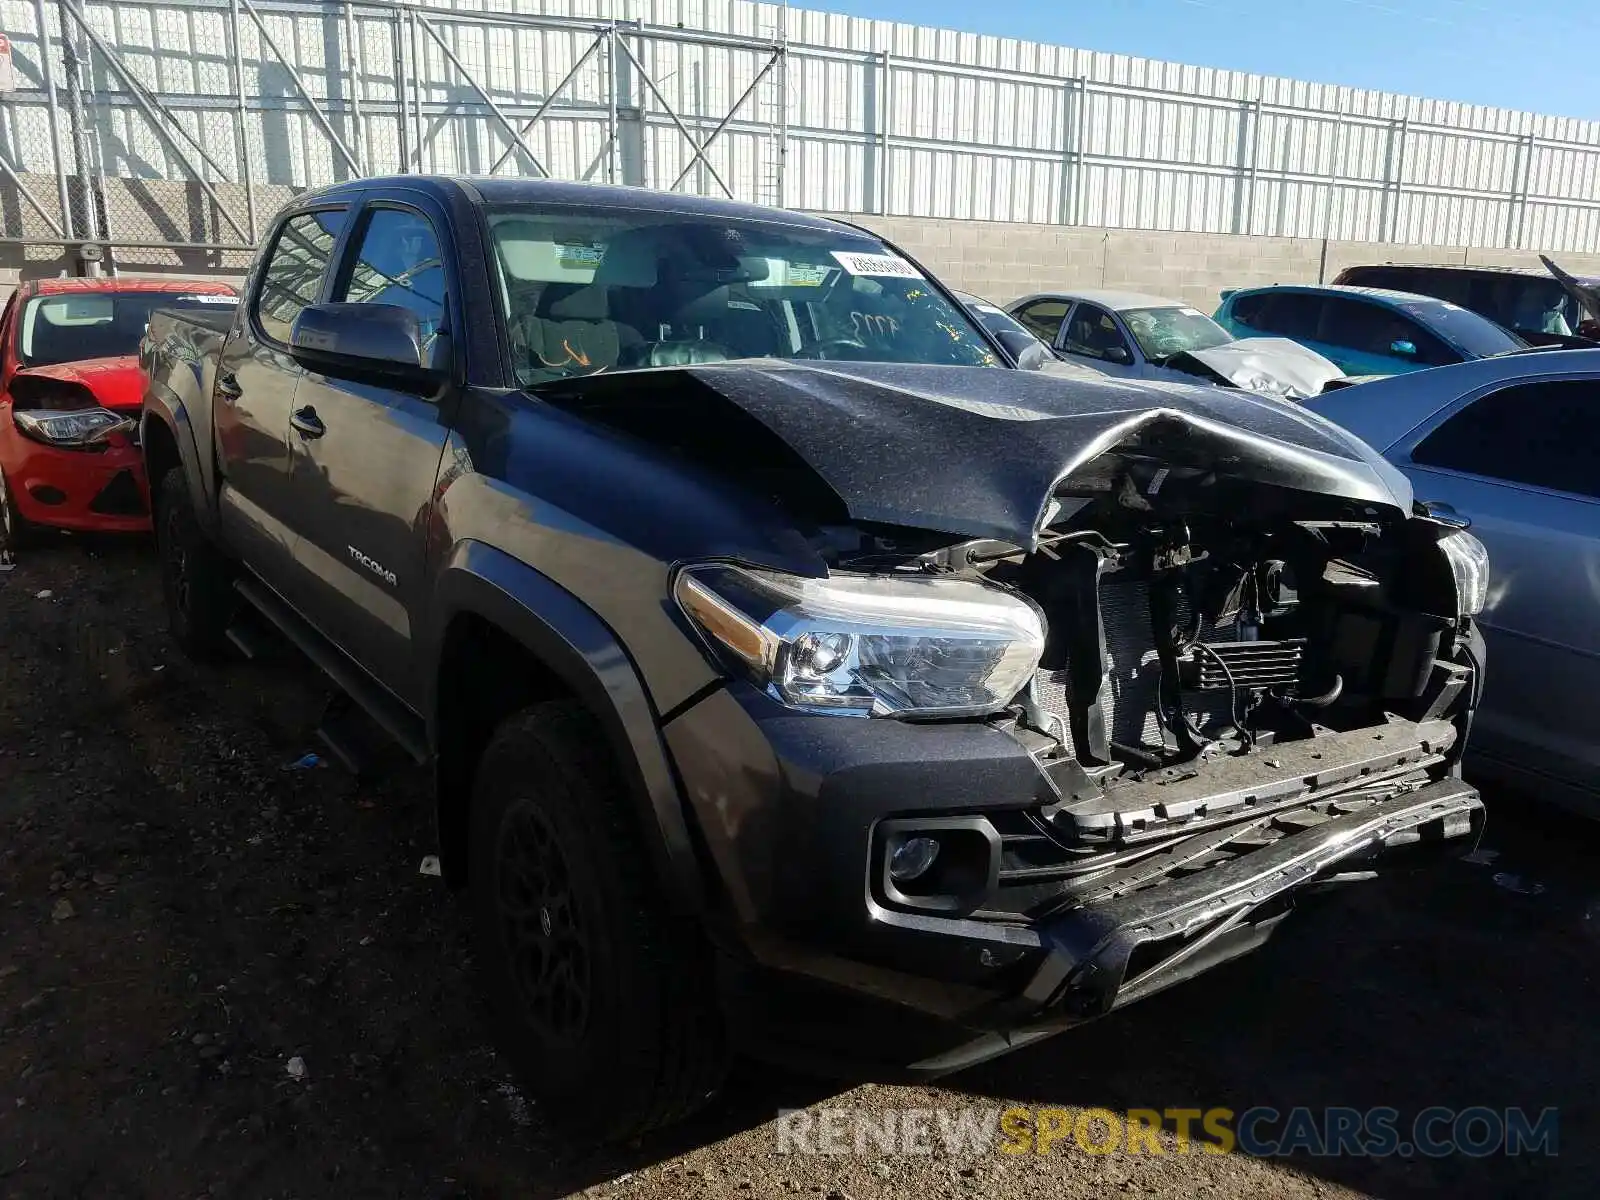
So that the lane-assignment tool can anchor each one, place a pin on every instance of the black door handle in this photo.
(228, 386)
(306, 422)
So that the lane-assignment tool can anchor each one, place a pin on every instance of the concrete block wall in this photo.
(1001, 261)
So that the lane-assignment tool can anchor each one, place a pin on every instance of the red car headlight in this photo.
(81, 429)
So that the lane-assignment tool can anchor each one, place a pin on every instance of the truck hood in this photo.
(1261, 364)
(978, 452)
(114, 383)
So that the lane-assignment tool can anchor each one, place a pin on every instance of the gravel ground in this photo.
(222, 977)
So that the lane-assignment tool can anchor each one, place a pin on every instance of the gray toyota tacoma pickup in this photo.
(798, 675)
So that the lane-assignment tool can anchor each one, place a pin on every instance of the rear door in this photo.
(1043, 317)
(366, 456)
(255, 387)
(1523, 464)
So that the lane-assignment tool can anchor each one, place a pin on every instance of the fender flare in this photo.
(175, 418)
(571, 640)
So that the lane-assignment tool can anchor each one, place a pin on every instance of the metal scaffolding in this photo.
(183, 124)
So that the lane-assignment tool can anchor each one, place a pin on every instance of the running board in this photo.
(399, 722)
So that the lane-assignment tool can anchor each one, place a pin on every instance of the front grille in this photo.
(119, 498)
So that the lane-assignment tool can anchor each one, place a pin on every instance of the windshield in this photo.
(1473, 335)
(71, 326)
(1163, 332)
(995, 319)
(586, 291)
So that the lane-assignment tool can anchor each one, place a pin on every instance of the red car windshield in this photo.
(72, 326)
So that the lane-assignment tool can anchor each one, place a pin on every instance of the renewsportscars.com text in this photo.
(1262, 1132)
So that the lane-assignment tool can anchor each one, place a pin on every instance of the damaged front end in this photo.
(1240, 661)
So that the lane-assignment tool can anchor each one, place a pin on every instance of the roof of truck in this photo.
(511, 189)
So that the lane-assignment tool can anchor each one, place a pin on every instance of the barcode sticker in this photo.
(885, 265)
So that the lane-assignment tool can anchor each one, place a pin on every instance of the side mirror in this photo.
(1029, 351)
(1119, 354)
(380, 342)
(1403, 348)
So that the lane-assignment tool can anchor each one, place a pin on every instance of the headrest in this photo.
(584, 302)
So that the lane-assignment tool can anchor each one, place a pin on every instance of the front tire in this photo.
(16, 531)
(603, 1000)
(196, 577)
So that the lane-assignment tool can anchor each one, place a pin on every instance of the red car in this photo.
(70, 389)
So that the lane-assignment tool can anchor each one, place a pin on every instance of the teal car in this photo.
(1366, 331)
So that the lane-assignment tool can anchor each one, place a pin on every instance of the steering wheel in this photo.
(824, 349)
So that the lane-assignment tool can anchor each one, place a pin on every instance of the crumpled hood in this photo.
(115, 383)
(979, 452)
(1262, 364)
(1585, 291)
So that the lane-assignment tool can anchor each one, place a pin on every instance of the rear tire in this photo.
(603, 999)
(196, 577)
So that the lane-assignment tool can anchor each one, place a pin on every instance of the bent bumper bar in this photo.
(1198, 921)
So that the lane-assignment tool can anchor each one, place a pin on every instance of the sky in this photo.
(1533, 54)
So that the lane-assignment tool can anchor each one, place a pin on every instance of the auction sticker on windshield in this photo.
(890, 265)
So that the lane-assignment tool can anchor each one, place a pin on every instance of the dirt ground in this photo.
(223, 977)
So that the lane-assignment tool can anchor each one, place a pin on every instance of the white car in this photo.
(1135, 336)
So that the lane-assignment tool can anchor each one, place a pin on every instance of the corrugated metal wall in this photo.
(809, 109)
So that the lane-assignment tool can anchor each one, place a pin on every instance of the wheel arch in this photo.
(166, 440)
(504, 636)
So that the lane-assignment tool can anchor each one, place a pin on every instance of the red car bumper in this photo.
(100, 490)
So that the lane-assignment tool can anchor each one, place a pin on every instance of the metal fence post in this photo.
(357, 69)
(611, 102)
(401, 105)
(81, 155)
(48, 74)
(1069, 117)
(885, 118)
(1517, 213)
(416, 92)
(241, 118)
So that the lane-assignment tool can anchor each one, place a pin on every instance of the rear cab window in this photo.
(291, 277)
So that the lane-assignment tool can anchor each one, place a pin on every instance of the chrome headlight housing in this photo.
(79, 428)
(868, 645)
(1469, 563)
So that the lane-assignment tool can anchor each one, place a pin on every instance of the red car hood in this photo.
(115, 383)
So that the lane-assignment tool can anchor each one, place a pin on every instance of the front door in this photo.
(366, 458)
(1522, 464)
(1093, 336)
(256, 382)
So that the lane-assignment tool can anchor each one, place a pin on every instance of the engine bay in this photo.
(1219, 647)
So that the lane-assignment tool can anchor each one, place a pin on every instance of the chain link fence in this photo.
(167, 132)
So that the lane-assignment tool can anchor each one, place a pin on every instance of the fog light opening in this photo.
(913, 858)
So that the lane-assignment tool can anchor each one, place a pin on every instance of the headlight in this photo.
(869, 645)
(1469, 563)
(76, 427)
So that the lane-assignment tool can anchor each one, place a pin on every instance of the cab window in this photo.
(397, 261)
(293, 274)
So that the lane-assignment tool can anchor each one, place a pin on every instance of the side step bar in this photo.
(394, 718)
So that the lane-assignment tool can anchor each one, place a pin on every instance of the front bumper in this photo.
(792, 810)
(100, 490)
(1207, 918)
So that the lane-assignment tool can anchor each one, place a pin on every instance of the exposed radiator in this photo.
(1135, 672)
